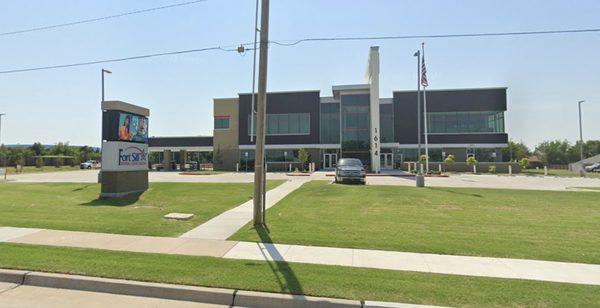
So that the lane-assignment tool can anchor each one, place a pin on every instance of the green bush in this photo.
(449, 159)
(471, 161)
(524, 162)
(423, 158)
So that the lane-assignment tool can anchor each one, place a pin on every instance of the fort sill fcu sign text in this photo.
(124, 156)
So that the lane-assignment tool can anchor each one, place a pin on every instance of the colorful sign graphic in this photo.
(133, 128)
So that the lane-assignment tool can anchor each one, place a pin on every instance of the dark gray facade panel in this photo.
(279, 103)
(181, 141)
(405, 110)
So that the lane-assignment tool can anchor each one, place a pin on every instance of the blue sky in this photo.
(546, 75)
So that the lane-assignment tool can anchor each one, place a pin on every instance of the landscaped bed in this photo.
(546, 225)
(71, 206)
(318, 280)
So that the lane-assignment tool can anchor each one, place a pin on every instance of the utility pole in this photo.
(252, 113)
(259, 161)
(582, 171)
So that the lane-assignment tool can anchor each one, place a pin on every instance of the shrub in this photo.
(471, 161)
(524, 162)
(492, 169)
(423, 158)
(449, 159)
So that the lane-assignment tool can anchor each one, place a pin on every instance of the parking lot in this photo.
(392, 178)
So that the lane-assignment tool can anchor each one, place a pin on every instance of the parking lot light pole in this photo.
(582, 171)
(3, 158)
(101, 138)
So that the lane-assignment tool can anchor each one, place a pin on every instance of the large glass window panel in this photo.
(465, 122)
(285, 124)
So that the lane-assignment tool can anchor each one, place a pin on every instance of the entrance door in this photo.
(329, 160)
(386, 160)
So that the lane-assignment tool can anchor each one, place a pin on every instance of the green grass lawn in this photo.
(559, 172)
(70, 206)
(546, 225)
(33, 169)
(296, 278)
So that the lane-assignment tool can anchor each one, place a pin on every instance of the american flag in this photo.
(424, 73)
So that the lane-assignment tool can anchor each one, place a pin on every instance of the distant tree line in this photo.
(34, 154)
(557, 152)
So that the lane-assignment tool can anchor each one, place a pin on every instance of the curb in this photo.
(12, 276)
(205, 295)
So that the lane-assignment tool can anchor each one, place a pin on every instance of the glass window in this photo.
(285, 124)
(386, 122)
(465, 122)
(330, 123)
(221, 122)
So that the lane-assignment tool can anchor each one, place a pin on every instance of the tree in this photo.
(554, 152)
(37, 149)
(303, 157)
(515, 151)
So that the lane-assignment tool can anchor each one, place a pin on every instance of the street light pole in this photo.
(259, 160)
(101, 138)
(582, 171)
(104, 72)
(3, 158)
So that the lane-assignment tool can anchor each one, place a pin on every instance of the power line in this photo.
(296, 42)
(91, 20)
(433, 36)
(116, 59)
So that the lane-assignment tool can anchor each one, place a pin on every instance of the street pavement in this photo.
(21, 296)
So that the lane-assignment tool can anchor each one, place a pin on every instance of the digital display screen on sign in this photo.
(133, 128)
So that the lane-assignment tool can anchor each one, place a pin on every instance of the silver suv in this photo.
(350, 169)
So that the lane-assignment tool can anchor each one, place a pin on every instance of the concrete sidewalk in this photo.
(577, 273)
(227, 223)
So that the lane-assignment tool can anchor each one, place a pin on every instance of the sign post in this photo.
(124, 149)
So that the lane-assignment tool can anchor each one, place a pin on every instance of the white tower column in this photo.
(373, 80)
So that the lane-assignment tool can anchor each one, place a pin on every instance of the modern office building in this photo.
(354, 122)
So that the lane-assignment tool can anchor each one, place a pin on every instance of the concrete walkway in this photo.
(227, 223)
(577, 273)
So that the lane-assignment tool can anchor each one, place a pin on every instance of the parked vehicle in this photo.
(90, 164)
(350, 169)
(593, 168)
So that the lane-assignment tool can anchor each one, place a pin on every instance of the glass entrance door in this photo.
(386, 160)
(329, 160)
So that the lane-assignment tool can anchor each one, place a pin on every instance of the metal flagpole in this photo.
(418, 55)
(425, 111)
(252, 112)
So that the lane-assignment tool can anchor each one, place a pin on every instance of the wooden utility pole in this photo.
(259, 175)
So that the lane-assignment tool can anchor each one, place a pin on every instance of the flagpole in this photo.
(425, 115)
(418, 55)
